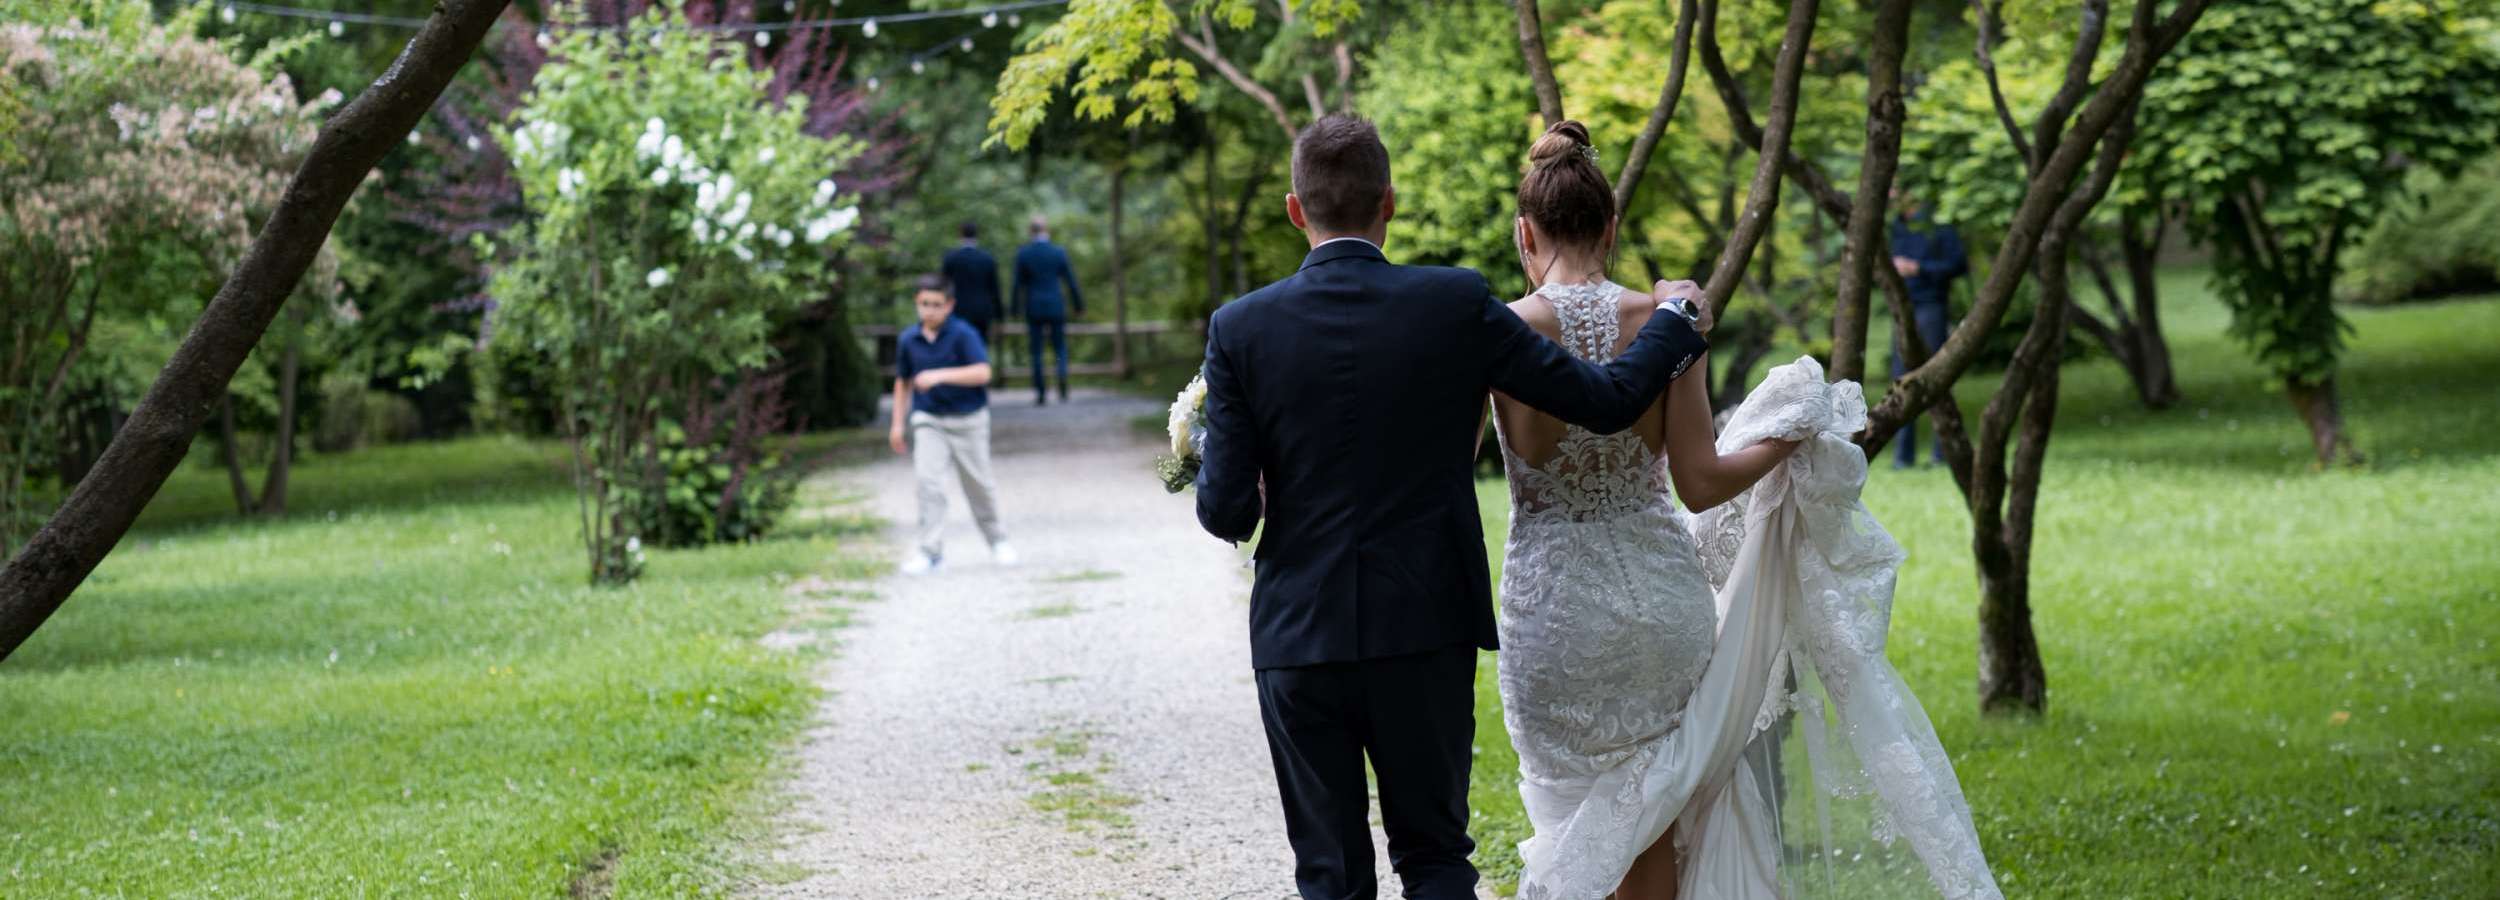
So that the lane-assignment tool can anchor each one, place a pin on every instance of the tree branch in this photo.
(1818, 185)
(1763, 195)
(158, 433)
(1203, 45)
(1864, 233)
(2116, 96)
(1988, 25)
(1345, 75)
(1540, 67)
(1678, 61)
(2078, 79)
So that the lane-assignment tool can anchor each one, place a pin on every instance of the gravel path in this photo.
(1081, 726)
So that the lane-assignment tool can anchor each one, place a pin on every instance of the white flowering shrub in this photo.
(674, 211)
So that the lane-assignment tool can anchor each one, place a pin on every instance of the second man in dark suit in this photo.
(1041, 269)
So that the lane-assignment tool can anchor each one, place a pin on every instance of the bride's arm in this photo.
(1703, 477)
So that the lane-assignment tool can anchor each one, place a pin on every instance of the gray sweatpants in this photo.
(962, 444)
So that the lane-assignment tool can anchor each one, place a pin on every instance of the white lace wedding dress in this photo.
(1649, 679)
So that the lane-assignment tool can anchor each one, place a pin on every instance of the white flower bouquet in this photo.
(1186, 424)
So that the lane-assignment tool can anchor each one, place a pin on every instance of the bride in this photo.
(1642, 672)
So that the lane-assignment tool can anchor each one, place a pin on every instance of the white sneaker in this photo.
(919, 563)
(1004, 554)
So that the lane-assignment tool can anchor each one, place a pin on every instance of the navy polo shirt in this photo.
(956, 345)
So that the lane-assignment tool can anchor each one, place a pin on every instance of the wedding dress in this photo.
(1651, 678)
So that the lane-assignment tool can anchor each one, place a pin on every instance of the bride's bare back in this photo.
(1533, 436)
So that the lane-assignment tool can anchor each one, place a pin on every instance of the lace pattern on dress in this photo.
(1586, 481)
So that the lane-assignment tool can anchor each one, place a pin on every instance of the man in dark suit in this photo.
(1041, 268)
(1342, 403)
(1929, 256)
(974, 275)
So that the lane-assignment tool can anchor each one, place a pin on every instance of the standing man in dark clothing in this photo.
(1041, 268)
(974, 275)
(1929, 257)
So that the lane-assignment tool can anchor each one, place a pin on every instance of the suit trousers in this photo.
(1414, 717)
(961, 445)
(1932, 330)
(1055, 333)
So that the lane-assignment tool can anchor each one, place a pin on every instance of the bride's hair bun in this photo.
(1563, 191)
(1563, 141)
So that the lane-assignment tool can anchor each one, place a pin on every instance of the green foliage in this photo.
(1101, 44)
(136, 160)
(2350, 650)
(673, 214)
(2441, 237)
(705, 497)
(1458, 114)
(2289, 124)
(414, 696)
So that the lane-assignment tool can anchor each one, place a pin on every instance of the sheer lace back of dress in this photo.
(1591, 477)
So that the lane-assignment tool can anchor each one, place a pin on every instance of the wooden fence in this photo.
(1132, 344)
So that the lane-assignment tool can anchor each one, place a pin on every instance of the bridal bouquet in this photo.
(1188, 431)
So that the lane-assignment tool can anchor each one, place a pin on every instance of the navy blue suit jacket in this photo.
(974, 275)
(1353, 390)
(1041, 267)
(1938, 249)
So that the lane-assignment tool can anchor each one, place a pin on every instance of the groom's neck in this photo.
(1378, 235)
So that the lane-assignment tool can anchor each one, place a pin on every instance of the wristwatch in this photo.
(1682, 306)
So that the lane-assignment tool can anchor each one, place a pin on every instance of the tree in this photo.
(673, 210)
(1955, 161)
(2291, 125)
(142, 153)
(1120, 51)
(469, 188)
(159, 431)
(1999, 473)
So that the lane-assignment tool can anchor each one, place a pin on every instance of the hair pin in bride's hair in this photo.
(1588, 152)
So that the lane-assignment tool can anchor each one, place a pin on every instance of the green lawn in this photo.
(405, 690)
(2265, 681)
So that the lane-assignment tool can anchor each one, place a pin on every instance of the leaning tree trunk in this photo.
(2157, 385)
(159, 430)
(2132, 332)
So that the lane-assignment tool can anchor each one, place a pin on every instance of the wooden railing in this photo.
(1011, 357)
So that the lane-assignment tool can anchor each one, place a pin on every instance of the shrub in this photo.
(2443, 238)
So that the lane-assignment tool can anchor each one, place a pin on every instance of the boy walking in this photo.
(941, 392)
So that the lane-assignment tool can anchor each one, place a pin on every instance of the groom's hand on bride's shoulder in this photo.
(1684, 298)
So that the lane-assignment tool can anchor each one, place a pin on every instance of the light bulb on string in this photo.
(226, 14)
(763, 39)
(966, 45)
(869, 29)
(337, 29)
(917, 66)
(872, 82)
(1014, 20)
(989, 19)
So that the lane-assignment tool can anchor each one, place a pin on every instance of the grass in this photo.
(405, 689)
(2265, 680)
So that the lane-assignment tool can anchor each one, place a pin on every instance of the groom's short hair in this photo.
(1340, 172)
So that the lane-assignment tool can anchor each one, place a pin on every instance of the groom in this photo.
(1342, 406)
